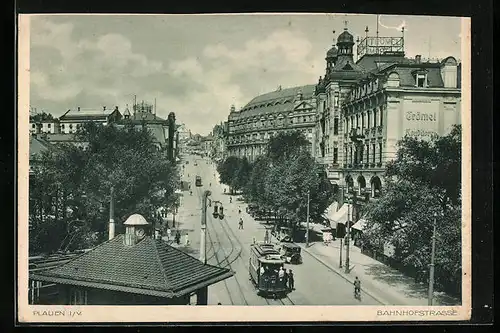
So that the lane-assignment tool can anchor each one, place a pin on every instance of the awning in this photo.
(360, 225)
(340, 216)
(330, 210)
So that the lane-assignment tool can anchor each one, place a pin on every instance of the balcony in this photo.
(367, 131)
(379, 129)
(373, 130)
(356, 134)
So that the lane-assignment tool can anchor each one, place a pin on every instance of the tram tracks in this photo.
(283, 301)
(227, 265)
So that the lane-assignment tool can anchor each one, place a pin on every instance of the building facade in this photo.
(71, 120)
(218, 149)
(366, 107)
(250, 128)
(51, 126)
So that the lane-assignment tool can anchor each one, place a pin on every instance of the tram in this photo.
(198, 181)
(265, 262)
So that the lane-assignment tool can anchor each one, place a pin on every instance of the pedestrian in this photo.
(169, 233)
(230, 199)
(224, 191)
(177, 237)
(239, 211)
(187, 240)
(285, 279)
(240, 224)
(357, 286)
(281, 274)
(291, 282)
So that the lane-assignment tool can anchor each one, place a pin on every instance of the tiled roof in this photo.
(60, 137)
(276, 101)
(307, 92)
(407, 78)
(372, 62)
(38, 146)
(86, 114)
(150, 267)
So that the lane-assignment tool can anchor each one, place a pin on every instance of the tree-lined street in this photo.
(229, 246)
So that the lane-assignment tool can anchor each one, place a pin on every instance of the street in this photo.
(227, 246)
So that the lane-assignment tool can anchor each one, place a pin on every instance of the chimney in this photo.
(104, 108)
(233, 108)
(418, 58)
(112, 214)
(78, 108)
(116, 108)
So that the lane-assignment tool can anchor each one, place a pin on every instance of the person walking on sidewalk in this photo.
(240, 226)
(177, 237)
(291, 281)
(357, 287)
(169, 233)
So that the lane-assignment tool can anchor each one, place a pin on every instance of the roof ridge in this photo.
(162, 269)
(88, 252)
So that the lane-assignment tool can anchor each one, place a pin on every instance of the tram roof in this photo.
(264, 249)
(272, 259)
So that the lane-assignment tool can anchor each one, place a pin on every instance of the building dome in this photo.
(136, 219)
(332, 53)
(345, 37)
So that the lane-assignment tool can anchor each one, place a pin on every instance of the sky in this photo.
(199, 65)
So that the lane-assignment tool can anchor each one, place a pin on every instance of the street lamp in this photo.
(307, 218)
(431, 268)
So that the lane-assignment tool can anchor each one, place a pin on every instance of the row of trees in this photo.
(70, 187)
(281, 179)
(422, 186)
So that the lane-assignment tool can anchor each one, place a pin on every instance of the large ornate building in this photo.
(366, 107)
(250, 128)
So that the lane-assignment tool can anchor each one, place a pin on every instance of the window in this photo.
(33, 125)
(380, 152)
(369, 114)
(335, 155)
(363, 120)
(350, 155)
(373, 153)
(421, 80)
(367, 153)
(375, 118)
(336, 126)
(70, 126)
(324, 105)
(381, 116)
(49, 125)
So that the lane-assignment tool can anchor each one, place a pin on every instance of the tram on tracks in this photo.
(265, 263)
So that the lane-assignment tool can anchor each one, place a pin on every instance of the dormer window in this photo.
(421, 80)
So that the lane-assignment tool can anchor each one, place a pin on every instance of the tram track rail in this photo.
(228, 265)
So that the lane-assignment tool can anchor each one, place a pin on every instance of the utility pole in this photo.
(347, 241)
(111, 234)
(340, 261)
(307, 218)
(203, 239)
(431, 269)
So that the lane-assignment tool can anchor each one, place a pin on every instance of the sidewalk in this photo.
(387, 285)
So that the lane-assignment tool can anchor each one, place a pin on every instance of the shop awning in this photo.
(330, 210)
(340, 216)
(360, 225)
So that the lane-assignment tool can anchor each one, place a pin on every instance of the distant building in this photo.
(143, 117)
(283, 110)
(206, 144)
(69, 138)
(45, 126)
(184, 133)
(38, 146)
(218, 149)
(71, 120)
(129, 269)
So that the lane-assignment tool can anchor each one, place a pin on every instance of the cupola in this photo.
(126, 113)
(233, 109)
(345, 42)
(135, 229)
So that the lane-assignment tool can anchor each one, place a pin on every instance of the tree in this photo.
(285, 145)
(241, 175)
(80, 180)
(39, 117)
(423, 181)
(227, 170)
